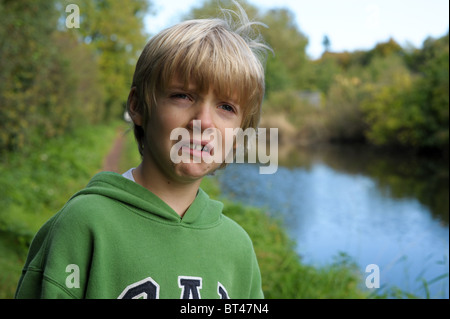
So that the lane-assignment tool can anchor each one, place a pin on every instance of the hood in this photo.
(202, 212)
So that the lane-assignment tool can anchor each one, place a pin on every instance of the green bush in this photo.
(37, 182)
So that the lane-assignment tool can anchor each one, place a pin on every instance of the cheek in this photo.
(229, 137)
(170, 118)
(160, 125)
(155, 135)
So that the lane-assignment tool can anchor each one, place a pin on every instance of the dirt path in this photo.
(112, 160)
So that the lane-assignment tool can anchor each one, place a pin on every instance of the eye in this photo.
(227, 108)
(180, 96)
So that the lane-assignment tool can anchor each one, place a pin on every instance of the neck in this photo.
(179, 196)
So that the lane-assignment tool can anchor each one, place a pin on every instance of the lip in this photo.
(199, 153)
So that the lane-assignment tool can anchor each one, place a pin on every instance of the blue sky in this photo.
(349, 24)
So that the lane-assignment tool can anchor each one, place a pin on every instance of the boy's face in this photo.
(195, 112)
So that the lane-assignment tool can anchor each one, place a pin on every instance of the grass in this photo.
(34, 186)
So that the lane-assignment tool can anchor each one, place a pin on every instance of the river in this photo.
(390, 210)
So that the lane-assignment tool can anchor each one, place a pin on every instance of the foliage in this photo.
(343, 115)
(114, 30)
(286, 68)
(411, 109)
(391, 112)
(53, 78)
(433, 90)
(36, 186)
(324, 71)
(388, 96)
(26, 63)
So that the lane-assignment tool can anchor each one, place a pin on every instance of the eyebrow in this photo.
(180, 87)
(193, 87)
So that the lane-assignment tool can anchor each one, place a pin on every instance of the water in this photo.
(379, 209)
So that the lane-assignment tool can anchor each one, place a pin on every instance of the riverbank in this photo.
(312, 132)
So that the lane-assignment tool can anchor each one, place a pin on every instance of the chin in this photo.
(196, 170)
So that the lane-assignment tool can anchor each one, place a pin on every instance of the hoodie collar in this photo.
(203, 212)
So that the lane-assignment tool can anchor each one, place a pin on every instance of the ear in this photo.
(133, 108)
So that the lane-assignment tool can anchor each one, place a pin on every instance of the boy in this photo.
(152, 232)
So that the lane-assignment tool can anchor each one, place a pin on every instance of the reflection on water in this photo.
(377, 208)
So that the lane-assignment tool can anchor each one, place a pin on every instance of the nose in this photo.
(202, 113)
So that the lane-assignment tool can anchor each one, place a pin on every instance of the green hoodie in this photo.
(116, 239)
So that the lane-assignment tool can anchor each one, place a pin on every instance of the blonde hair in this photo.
(220, 53)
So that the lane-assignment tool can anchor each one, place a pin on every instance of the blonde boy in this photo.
(153, 232)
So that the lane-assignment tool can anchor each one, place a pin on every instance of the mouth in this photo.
(199, 148)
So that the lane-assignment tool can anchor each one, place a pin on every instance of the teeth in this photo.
(196, 147)
(199, 147)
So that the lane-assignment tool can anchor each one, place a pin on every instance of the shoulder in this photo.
(60, 235)
(82, 207)
(236, 234)
(79, 217)
(72, 231)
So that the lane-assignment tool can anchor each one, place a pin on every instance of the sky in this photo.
(349, 24)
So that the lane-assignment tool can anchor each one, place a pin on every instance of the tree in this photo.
(326, 43)
(433, 91)
(289, 44)
(391, 111)
(26, 59)
(53, 78)
(115, 30)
